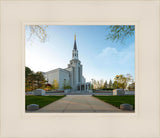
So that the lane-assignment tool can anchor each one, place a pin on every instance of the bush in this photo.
(67, 87)
(107, 89)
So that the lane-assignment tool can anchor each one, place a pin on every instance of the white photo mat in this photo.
(16, 14)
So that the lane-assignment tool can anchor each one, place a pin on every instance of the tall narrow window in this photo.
(78, 74)
(64, 83)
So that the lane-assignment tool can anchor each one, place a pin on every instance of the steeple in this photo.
(75, 51)
(75, 45)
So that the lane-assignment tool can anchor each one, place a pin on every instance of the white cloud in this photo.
(111, 55)
(108, 51)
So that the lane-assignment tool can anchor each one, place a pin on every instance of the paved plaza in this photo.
(79, 104)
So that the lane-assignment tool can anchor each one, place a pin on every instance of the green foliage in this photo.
(120, 32)
(33, 80)
(110, 85)
(115, 85)
(41, 100)
(39, 79)
(27, 72)
(55, 85)
(131, 86)
(121, 81)
(105, 85)
(66, 85)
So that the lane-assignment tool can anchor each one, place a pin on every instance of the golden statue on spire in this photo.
(75, 37)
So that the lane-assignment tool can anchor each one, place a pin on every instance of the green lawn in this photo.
(117, 100)
(41, 100)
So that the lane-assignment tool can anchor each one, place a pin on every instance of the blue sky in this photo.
(101, 58)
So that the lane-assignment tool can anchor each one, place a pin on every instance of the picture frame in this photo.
(16, 14)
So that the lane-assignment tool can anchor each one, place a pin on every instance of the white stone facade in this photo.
(72, 75)
(58, 74)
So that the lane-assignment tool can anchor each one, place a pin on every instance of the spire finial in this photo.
(75, 46)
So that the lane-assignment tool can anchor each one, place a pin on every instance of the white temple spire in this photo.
(75, 51)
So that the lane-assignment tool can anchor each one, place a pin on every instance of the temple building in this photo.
(72, 75)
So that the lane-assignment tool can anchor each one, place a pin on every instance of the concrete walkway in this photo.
(78, 104)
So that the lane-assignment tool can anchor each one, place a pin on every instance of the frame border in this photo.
(61, 21)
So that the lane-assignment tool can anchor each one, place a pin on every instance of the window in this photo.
(79, 74)
(64, 81)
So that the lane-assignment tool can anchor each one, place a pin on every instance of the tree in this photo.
(66, 85)
(33, 80)
(120, 32)
(101, 84)
(91, 86)
(39, 79)
(37, 31)
(122, 81)
(94, 83)
(27, 71)
(129, 78)
(110, 85)
(115, 85)
(29, 79)
(105, 85)
(55, 85)
(98, 85)
(131, 87)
